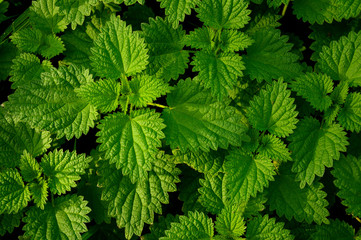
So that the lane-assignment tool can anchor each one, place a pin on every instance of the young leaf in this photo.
(50, 103)
(233, 41)
(341, 59)
(347, 172)
(270, 57)
(201, 38)
(350, 114)
(135, 204)
(15, 137)
(314, 88)
(39, 193)
(195, 120)
(274, 148)
(195, 226)
(274, 110)
(118, 51)
(14, 196)
(313, 147)
(65, 218)
(264, 228)
(177, 9)
(218, 72)
(166, 58)
(289, 200)
(145, 89)
(131, 142)
(229, 14)
(29, 167)
(27, 69)
(63, 169)
(51, 46)
(102, 94)
(246, 175)
(230, 222)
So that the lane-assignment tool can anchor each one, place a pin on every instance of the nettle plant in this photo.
(256, 141)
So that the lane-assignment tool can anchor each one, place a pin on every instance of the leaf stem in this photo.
(284, 9)
(158, 105)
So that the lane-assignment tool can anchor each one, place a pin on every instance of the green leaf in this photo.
(274, 148)
(335, 230)
(51, 46)
(270, 57)
(50, 103)
(46, 16)
(213, 192)
(229, 14)
(246, 175)
(15, 137)
(159, 227)
(118, 51)
(264, 228)
(201, 38)
(75, 11)
(137, 14)
(314, 88)
(261, 21)
(218, 72)
(314, 147)
(177, 9)
(131, 142)
(315, 11)
(194, 226)
(3, 9)
(9, 221)
(145, 89)
(39, 193)
(289, 200)
(167, 60)
(14, 196)
(340, 60)
(195, 120)
(233, 41)
(8, 52)
(102, 94)
(26, 69)
(350, 114)
(63, 169)
(27, 39)
(274, 110)
(347, 172)
(29, 167)
(277, 3)
(230, 222)
(134, 204)
(65, 218)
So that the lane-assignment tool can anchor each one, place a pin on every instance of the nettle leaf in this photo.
(335, 230)
(314, 147)
(177, 9)
(277, 3)
(270, 56)
(134, 204)
(63, 169)
(233, 40)
(51, 46)
(51, 103)
(227, 14)
(195, 120)
(274, 148)
(9, 221)
(65, 218)
(340, 60)
(14, 195)
(246, 175)
(201, 38)
(131, 142)
(3, 9)
(145, 89)
(15, 137)
(347, 172)
(350, 114)
(8, 52)
(103, 94)
(29, 167)
(213, 192)
(118, 51)
(159, 227)
(289, 200)
(46, 16)
(194, 226)
(264, 228)
(315, 11)
(75, 11)
(218, 72)
(263, 21)
(39, 192)
(27, 39)
(230, 222)
(166, 58)
(26, 69)
(274, 110)
(315, 88)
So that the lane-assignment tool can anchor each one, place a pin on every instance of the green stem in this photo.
(74, 145)
(284, 9)
(158, 105)
(126, 85)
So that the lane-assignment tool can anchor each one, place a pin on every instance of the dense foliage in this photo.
(203, 119)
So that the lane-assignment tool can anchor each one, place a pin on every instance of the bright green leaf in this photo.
(350, 114)
(177, 9)
(39, 192)
(29, 167)
(230, 222)
(274, 148)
